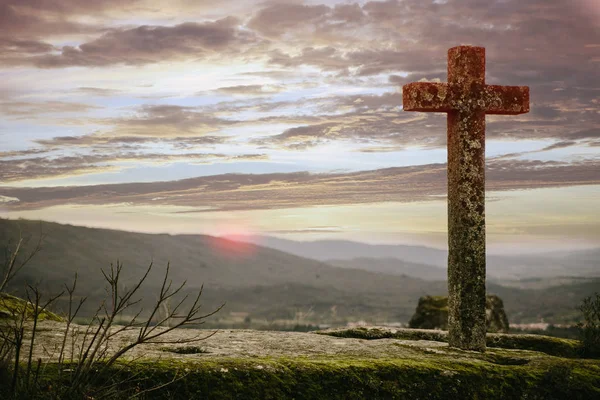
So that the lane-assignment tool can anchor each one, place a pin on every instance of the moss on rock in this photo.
(402, 364)
(432, 313)
(12, 306)
(352, 378)
(550, 345)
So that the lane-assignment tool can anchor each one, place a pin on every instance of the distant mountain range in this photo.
(270, 284)
(426, 262)
(346, 250)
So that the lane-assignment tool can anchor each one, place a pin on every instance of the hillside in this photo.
(265, 282)
(393, 266)
(346, 250)
(257, 282)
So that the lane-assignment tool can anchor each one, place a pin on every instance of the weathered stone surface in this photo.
(466, 99)
(432, 313)
(248, 344)
(558, 347)
(495, 317)
(337, 364)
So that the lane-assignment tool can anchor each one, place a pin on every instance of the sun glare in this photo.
(235, 241)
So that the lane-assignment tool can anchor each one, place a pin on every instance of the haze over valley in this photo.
(269, 286)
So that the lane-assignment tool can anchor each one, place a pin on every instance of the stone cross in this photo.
(466, 99)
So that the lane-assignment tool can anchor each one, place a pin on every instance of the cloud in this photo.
(151, 44)
(302, 136)
(560, 145)
(67, 7)
(250, 90)
(32, 20)
(301, 189)
(21, 109)
(360, 118)
(374, 120)
(326, 58)
(546, 112)
(21, 169)
(108, 140)
(5, 199)
(412, 36)
(169, 120)
(276, 19)
(10, 46)
(45, 167)
(96, 91)
(347, 13)
(311, 61)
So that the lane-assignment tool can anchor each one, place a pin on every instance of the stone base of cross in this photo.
(466, 99)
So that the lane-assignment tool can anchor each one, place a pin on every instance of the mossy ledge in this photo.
(353, 378)
(550, 345)
(247, 364)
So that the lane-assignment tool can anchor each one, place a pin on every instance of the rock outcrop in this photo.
(432, 313)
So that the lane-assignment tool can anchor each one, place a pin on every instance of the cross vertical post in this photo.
(466, 99)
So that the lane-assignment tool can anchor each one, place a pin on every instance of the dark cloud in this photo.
(107, 140)
(302, 137)
(19, 169)
(175, 127)
(9, 46)
(288, 190)
(545, 112)
(560, 145)
(374, 120)
(45, 167)
(151, 44)
(22, 153)
(276, 19)
(69, 7)
(32, 21)
(200, 141)
(592, 133)
(169, 120)
(530, 42)
(345, 13)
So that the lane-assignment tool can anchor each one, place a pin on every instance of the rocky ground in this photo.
(238, 343)
(375, 362)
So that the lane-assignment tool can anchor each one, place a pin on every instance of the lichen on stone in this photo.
(466, 99)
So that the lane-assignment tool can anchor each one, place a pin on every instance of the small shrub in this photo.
(589, 328)
(85, 366)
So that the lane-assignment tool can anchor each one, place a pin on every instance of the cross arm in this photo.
(426, 96)
(506, 100)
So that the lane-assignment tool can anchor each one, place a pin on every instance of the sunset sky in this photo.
(285, 118)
